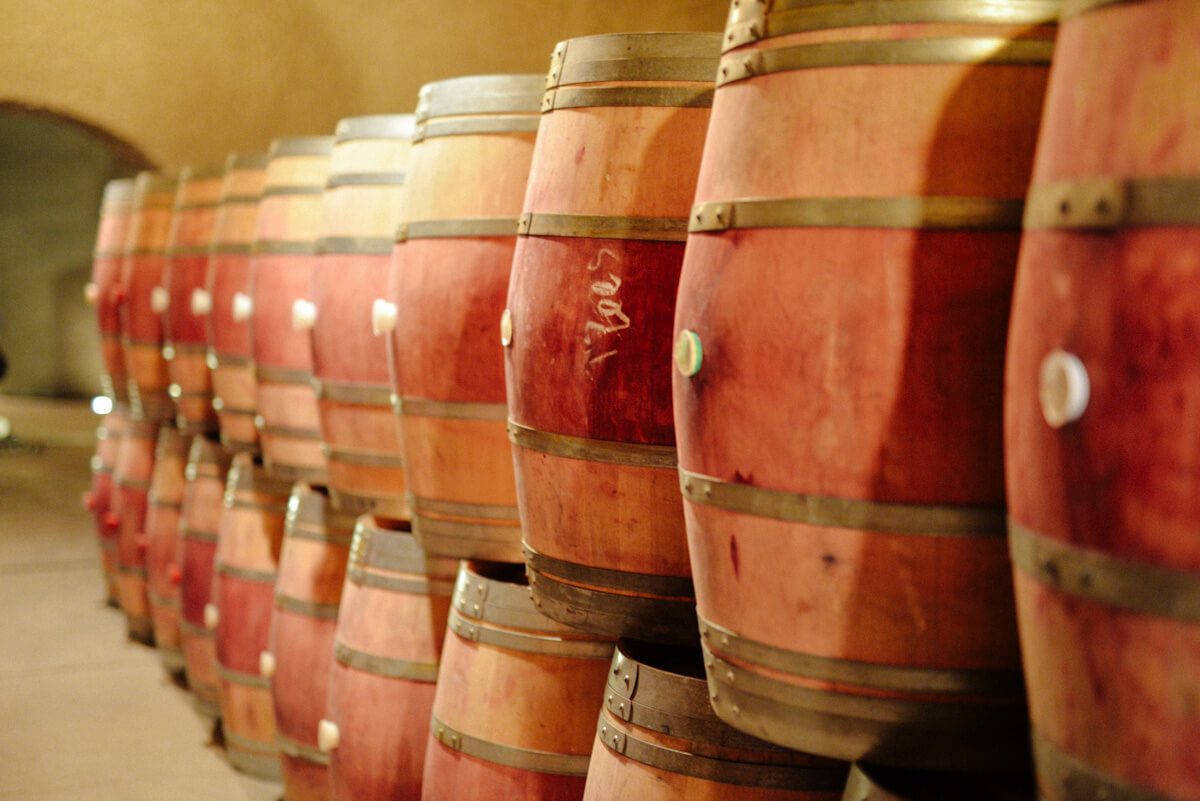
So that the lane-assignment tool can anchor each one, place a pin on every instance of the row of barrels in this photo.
(748, 386)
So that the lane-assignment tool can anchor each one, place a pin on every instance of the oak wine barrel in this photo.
(466, 176)
(590, 310)
(105, 291)
(163, 515)
(131, 479)
(840, 333)
(99, 497)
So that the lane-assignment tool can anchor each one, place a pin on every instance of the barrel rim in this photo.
(247, 160)
(635, 57)
(481, 94)
(301, 146)
(375, 126)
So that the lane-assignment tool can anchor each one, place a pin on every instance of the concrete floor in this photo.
(85, 715)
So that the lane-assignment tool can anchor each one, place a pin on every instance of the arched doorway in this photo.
(52, 173)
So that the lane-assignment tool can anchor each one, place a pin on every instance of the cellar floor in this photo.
(85, 715)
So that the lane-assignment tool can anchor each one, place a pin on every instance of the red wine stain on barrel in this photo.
(733, 555)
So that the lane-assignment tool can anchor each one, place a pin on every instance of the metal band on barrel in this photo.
(233, 249)
(752, 22)
(246, 573)
(162, 602)
(631, 454)
(293, 191)
(466, 227)
(483, 511)
(352, 245)
(196, 535)
(265, 508)
(193, 630)
(365, 458)
(634, 57)
(245, 679)
(670, 586)
(625, 96)
(201, 251)
(355, 393)
(227, 360)
(481, 602)
(1107, 202)
(165, 504)
(510, 756)
(825, 510)
(649, 229)
(366, 179)
(952, 50)
(500, 124)
(284, 247)
(479, 94)
(1123, 583)
(302, 751)
(1062, 775)
(388, 667)
(305, 608)
(329, 534)
(938, 213)
(282, 375)
(450, 410)
(527, 642)
(139, 484)
(253, 758)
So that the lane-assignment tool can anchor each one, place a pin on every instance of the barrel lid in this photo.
(247, 161)
(481, 94)
(301, 146)
(118, 190)
(635, 57)
(377, 126)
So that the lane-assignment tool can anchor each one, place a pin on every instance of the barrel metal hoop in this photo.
(634, 57)
(450, 410)
(334, 532)
(528, 642)
(302, 751)
(239, 199)
(501, 124)
(229, 359)
(680, 587)
(245, 679)
(478, 95)
(288, 432)
(253, 758)
(388, 667)
(630, 454)
(305, 608)
(465, 227)
(1073, 8)
(355, 245)
(745, 774)
(440, 588)
(202, 251)
(834, 512)
(107, 254)
(1114, 203)
(162, 602)
(1061, 775)
(723, 643)
(1112, 580)
(366, 179)
(613, 614)
(165, 504)
(192, 630)
(359, 394)
(976, 50)
(139, 484)
(196, 535)
(293, 191)
(598, 226)
(931, 213)
(136, 252)
(755, 21)
(510, 756)
(255, 506)
(246, 573)
(132, 571)
(630, 96)
(282, 247)
(499, 512)
(474, 540)
(233, 249)
(365, 458)
(282, 375)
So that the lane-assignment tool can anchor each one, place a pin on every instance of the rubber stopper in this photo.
(201, 302)
(689, 353)
(304, 314)
(328, 735)
(1063, 388)
(174, 575)
(212, 616)
(266, 664)
(383, 317)
(112, 519)
(160, 299)
(506, 329)
(241, 308)
(91, 293)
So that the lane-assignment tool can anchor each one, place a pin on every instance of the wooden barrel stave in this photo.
(131, 478)
(163, 517)
(105, 291)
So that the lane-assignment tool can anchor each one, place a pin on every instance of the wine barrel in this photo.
(610, 190)
(312, 568)
(227, 299)
(394, 607)
(163, 516)
(98, 499)
(363, 204)
(840, 339)
(248, 542)
(659, 740)
(1103, 382)
(104, 291)
(284, 252)
(184, 333)
(205, 475)
(467, 173)
(514, 713)
(874, 783)
(131, 477)
(144, 256)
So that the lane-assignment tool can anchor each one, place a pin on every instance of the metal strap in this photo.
(626, 96)
(282, 375)
(196, 535)
(724, 643)
(299, 606)
(365, 458)
(613, 614)
(825, 510)
(951, 50)
(478, 95)
(245, 679)
(302, 751)
(352, 392)
(461, 227)
(651, 229)
(632, 454)
(439, 588)
(202, 251)
(1073, 8)
(190, 629)
(266, 508)
(938, 213)
(288, 432)
(1109, 579)
(670, 586)
(1061, 775)
(634, 57)
(482, 511)
(351, 245)
(752, 22)
(307, 247)
(334, 532)
(246, 573)
(388, 667)
(450, 410)
(292, 191)
(232, 249)
(138, 484)
(498, 124)
(227, 360)
(366, 179)
(162, 601)
(253, 758)
(528, 642)
(163, 504)
(510, 756)
(744, 774)
(475, 540)
(1107, 202)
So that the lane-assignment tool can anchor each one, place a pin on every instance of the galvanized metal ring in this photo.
(250, 574)
(1061, 775)
(302, 751)
(450, 410)
(629, 454)
(462, 227)
(1112, 202)
(933, 213)
(629, 96)
(306, 608)
(364, 458)
(597, 226)
(355, 245)
(469, 126)
(388, 667)
(510, 756)
(244, 679)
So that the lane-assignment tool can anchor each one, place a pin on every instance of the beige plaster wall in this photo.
(189, 80)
